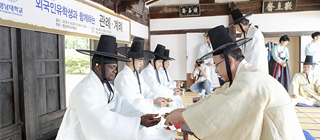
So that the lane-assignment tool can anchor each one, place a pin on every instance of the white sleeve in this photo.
(99, 122)
(136, 99)
(151, 80)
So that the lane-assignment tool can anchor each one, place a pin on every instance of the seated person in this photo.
(305, 87)
(165, 78)
(201, 75)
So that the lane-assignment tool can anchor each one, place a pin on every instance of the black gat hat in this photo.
(107, 48)
(308, 61)
(136, 50)
(237, 16)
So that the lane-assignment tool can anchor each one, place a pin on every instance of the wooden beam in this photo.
(126, 13)
(206, 1)
(179, 31)
(279, 34)
(215, 9)
(238, 35)
(151, 2)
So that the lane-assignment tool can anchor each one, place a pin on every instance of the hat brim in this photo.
(170, 58)
(231, 46)
(147, 55)
(308, 63)
(109, 55)
(237, 20)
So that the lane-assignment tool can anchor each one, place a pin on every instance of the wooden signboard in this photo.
(275, 6)
(189, 10)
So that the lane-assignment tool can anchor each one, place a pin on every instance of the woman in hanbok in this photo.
(278, 65)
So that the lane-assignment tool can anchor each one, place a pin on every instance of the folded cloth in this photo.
(303, 105)
(308, 135)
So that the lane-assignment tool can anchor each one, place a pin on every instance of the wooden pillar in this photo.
(232, 29)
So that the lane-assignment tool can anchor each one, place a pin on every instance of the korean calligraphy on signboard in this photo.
(189, 10)
(274, 6)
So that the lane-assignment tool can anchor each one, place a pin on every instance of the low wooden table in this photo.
(186, 130)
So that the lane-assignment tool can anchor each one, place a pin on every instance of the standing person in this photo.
(151, 76)
(313, 49)
(254, 51)
(251, 105)
(278, 65)
(131, 85)
(201, 75)
(305, 87)
(95, 109)
(204, 49)
(165, 78)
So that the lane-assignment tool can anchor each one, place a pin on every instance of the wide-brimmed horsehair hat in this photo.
(237, 16)
(136, 50)
(308, 61)
(166, 53)
(106, 47)
(159, 52)
(220, 40)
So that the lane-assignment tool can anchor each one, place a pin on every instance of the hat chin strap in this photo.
(225, 53)
(165, 71)
(157, 74)
(134, 68)
(244, 34)
(106, 81)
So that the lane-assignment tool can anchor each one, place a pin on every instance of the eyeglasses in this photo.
(219, 63)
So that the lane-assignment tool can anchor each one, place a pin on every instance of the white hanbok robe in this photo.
(255, 51)
(164, 81)
(159, 132)
(149, 76)
(313, 49)
(204, 49)
(254, 107)
(127, 85)
(90, 117)
(305, 90)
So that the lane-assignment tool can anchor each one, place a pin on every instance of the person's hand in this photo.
(195, 65)
(161, 102)
(176, 117)
(208, 64)
(294, 96)
(149, 120)
(176, 91)
(283, 64)
(178, 84)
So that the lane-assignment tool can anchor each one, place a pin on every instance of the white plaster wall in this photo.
(139, 30)
(187, 23)
(287, 22)
(194, 41)
(177, 45)
(280, 22)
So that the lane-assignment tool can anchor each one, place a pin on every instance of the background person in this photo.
(278, 65)
(305, 87)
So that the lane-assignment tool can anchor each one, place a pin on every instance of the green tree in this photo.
(77, 63)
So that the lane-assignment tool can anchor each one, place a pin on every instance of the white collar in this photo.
(127, 68)
(239, 66)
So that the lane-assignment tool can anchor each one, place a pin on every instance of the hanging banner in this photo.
(67, 16)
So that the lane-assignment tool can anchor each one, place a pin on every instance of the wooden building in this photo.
(32, 57)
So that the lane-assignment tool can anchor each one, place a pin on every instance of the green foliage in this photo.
(77, 63)
(73, 42)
